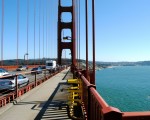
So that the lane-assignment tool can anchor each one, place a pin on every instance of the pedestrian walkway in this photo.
(47, 101)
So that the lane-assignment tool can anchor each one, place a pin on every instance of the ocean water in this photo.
(125, 87)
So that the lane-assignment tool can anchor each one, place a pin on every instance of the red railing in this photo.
(13, 67)
(96, 108)
(136, 115)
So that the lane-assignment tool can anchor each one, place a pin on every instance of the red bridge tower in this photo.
(66, 25)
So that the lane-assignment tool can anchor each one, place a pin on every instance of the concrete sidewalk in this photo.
(41, 102)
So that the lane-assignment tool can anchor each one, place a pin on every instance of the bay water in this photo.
(125, 87)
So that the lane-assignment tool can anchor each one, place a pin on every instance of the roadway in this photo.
(28, 74)
(40, 102)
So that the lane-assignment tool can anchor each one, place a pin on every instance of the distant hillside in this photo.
(141, 63)
(82, 63)
(32, 61)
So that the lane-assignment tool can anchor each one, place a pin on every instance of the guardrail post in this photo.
(89, 100)
(35, 80)
(111, 113)
(16, 81)
(45, 74)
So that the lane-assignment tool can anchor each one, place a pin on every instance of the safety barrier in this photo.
(95, 107)
(5, 99)
(136, 115)
(75, 99)
(13, 67)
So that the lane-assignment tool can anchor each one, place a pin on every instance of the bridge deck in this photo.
(46, 101)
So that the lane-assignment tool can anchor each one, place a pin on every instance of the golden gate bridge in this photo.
(84, 97)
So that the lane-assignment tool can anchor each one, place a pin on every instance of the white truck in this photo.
(51, 65)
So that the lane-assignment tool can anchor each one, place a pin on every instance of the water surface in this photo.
(125, 87)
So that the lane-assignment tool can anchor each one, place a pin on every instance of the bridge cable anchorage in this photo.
(18, 15)
(2, 33)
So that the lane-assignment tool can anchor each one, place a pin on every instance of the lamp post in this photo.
(24, 57)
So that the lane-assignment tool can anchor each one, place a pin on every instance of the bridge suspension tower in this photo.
(66, 25)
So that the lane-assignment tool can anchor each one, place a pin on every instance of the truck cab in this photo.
(51, 65)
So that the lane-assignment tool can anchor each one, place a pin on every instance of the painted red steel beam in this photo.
(100, 109)
(136, 115)
(66, 25)
(66, 9)
(96, 107)
(74, 35)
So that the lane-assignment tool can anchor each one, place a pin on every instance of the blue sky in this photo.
(122, 29)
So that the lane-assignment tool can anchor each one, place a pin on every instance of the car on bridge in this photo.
(36, 70)
(9, 82)
(3, 72)
(21, 68)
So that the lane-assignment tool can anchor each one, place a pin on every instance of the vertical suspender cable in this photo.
(18, 7)
(43, 32)
(34, 28)
(77, 28)
(75, 6)
(86, 28)
(79, 33)
(46, 29)
(93, 32)
(39, 27)
(2, 32)
(27, 27)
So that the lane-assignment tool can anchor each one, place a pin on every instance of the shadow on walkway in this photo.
(56, 107)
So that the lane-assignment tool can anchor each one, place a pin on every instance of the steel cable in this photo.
(2, 32)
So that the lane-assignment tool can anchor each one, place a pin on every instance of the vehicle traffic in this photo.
(9, 82)
(36, 70)
(51, 65)
(21, 68)
(3, 72)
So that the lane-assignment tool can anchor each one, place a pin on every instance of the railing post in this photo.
(16, 81)
(45, 74)
(35, 80)
(111, 113)
(89, 100)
